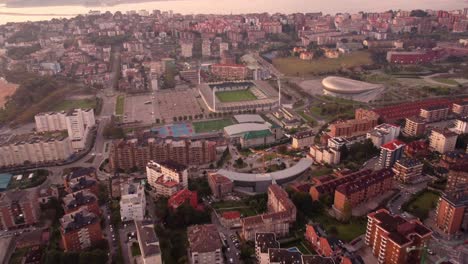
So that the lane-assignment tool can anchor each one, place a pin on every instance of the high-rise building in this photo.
(263, 242)
(132, 201)
(166, 178)
(460, 109)
(383, 133)
(407, 170)
(461, 125)
(457, 176)
(80, 230)
(204, 245)
(73, 202)
(219, 185)
(434, 113)
(391, 238)
(414, 126)
(442, 140)
(452, 212)
(390, 153)
(206, 48)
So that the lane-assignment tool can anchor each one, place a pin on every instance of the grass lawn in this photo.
(446, 81)
(307, 117)
(211, 125)
(17, 257)
(240, 206)
(119, 106)
(294, 66)
(300, 244)
(135, 249)
(38, 178)
(321, 172)
(422, 204)
(236, 96)
(345, 231)
(71, 104)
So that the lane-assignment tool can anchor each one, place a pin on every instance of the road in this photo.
(232, 252)
(406, 191)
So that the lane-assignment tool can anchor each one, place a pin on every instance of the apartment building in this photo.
(204, 245)
(18, 208)
(434, 113)
(186, 49)
(132, 201)
(461, 108)
(80, 230)
(302, 140)
(34, 149)
(230, 72)
(77, 122)
(461, 125)
(383, 133)
(391, 237)
(263, 242)
(407, 170)
(325, 155)
(73, 202)
(324, 245)
(148, 242)
(166, 178)
(452, 212)
(126, 154)
(281, 213)
(362, 123)
(206, 48)
(414, 126)
(457, 176)
(390, 153)
(351, 194)
(219, 185)
(442, 141)
(328, 188)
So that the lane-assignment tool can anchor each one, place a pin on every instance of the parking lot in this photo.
(162, 105)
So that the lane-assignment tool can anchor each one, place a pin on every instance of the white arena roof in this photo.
(238, 129)
(249, 119)
(340, 85)
(293, 171)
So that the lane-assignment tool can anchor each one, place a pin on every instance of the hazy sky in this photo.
(241, 6)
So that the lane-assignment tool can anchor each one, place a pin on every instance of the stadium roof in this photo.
(295, 170)
(249, 119)
(238, 129)
(257, 134)
(342, 85)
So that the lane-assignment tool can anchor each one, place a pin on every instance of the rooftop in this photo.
(203, 238)
(148, 241)
(393, 145)
(266, 241)
(77, 220)
(280, 255)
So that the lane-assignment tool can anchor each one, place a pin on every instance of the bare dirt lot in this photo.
(6, 89)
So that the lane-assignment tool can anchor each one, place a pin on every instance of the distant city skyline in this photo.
(8, 14)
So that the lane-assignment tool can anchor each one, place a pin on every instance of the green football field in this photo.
(236, 96)
(211, 125)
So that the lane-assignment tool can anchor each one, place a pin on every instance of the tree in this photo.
(419, 13)
(282, 149)
(239, 162)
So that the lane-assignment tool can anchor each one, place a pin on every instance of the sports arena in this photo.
(239, 96)
(351, 89)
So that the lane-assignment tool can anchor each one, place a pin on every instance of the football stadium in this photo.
(239, 96)
(351, 89)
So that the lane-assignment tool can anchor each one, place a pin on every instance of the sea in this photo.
(8, 14)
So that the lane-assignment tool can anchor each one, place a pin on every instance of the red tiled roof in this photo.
(231, 215)
(393, 144)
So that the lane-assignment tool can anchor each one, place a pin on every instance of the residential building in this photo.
(148, 242)
(126, 154)
(442, 140)
(282, 255)
(418, 148)
(132, 201)
(82, 183)
(461, 125)
(327, 189)
(204, 245)
(18, 208)
(166, 178)
(337, 142)
(186, 49)
(434, 113)
(34, 149)
(183, 197)
(414, 126)
(263, 242)
(325, 155)
(407, 170)
(390, 153)
(451, 212)
(219, 185)
(73, 202)
(457, 176)
(281, 213)
(303, 139)
(206, 48)
(383, 133)
(324, 245)
(230, 219)
(229, 71)
(80, 230)
(391, 237)
(351, 194)
(363, 122)
(460, 109)
(413, 57)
